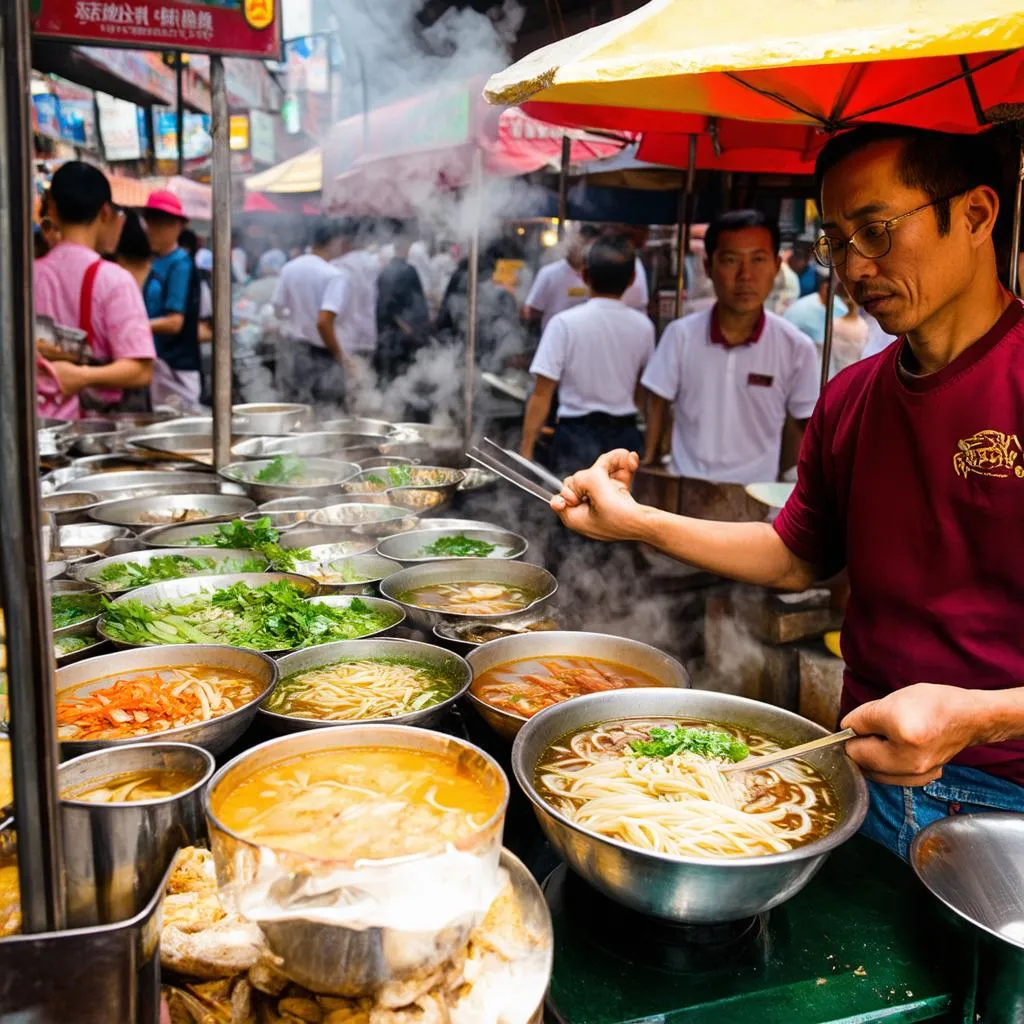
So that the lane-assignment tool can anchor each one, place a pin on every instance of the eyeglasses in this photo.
(871, 241)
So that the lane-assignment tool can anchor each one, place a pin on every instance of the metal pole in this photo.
(476, 199)
(686, 204)
(221, 266)
(563, 186)
(22, 577)
(1015, 247)
(826, 348)
(179, 67)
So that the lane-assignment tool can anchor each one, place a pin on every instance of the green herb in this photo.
(64, 645)
(377, 481)
(709, 743)
(260, 536)
(458, 546)
(67, 609)
(400, 476)
(129, 575)
(282, 469)
(274, 616)
(344, 572)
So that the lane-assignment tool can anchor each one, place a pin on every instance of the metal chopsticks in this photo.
(514, 477)
(753, 763)
(540, 472)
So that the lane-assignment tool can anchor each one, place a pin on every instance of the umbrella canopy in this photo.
(939, 64)
(300, 174)
(256, 202)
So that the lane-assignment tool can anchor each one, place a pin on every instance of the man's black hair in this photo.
(189, 241)
(940, 164)
(134, 243)
(611, 263)
(325, 230)
(589, 232)
(79, 192)
(737, 220)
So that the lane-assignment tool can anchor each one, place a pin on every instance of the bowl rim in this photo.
(129, 740)
(403, 719)
(231, 473)
(113, 505)
(817, 847)
(345, 732)
(516, 550)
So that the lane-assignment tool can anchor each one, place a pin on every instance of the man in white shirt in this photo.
(734, 372)
(637, 296)
(310, 360)
(349, 305)
(558, 286)
(594, 354)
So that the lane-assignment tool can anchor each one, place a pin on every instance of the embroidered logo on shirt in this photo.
(760, 380)
(989, 453)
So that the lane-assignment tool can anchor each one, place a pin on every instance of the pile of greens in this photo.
(272, 617)
(282, 469)
(129, 575)
(458, 546)
(67, 609)
(342, 572)
(259, 536)
(708, 743)
(64, 645)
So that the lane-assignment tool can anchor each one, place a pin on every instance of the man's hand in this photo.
(907, 737)
(70, 377)
(596, 502)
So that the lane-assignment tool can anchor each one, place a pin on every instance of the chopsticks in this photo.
(513, 476)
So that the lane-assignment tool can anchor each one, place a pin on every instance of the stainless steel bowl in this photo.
(467, 570)
(383, 461)
(91, 535)
(974, 863)
(558, 643)
(143, 483)
(56, 588)
(250, 448)
(461, 636)
(340, 958)
(360, 425)
(377, 603)
(447, 523)
(329, 541)
(368, 565)
(91, 572)
(407, 548)
(216, 735)
(142, 513)
(98, 443)
(177, 591)
(335, 473)
(356, 650)
(179, 425)
(366, 519)
(271, 417)
(323, 443)
(437, 445)
(285, 513)
(70, 507)
(689, 889)
(430, 488)
(53, 570)
(54, 426)
(96, 645)
(192, 447)
(177, 536)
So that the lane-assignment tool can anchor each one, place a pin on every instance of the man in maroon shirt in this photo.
(911, 477)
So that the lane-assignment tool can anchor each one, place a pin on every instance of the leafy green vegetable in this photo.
(282, 469)
(274, 616)
(128, 575)
(399, 476)
(260, 536)
(458, 546)
(63, 645)
(709, 743)
(67, 609)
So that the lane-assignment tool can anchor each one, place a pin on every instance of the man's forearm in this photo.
(747, 552)
(121, 373)
(330, 340)
(654, 427)
(537, 409)
(998, 714)
(173, 323)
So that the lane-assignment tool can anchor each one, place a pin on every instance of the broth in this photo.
(131, 787)
(362, 803)
(470, 598)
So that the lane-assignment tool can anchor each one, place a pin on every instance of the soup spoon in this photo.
(751, 764)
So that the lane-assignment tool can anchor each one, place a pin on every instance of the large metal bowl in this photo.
(284, 513)
(216, 735)
(368, 565)
(407, 548)
(70, 507)
(355, 650)
(143, 483)
(176, 425)
(366, 519)
(90, 572)
(431, 488)
(192, 447)
(379, 604)
(325, 542)
(177, 591)
(467, 570)
(337, 957)
(335, 473)
(437, 445)
(383, 461)
(95, 645)
(271, 417)
(360, 425)
(322, 443)
(96, 536)
(55, 588)
(558, 643)
(138, 513)
(688, 889)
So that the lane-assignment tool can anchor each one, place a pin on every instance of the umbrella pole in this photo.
(685, 223)
(826, 348)
(221, 266)
(563, 186)
(1017, 199)
(476, 200)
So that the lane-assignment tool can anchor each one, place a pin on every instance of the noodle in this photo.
(470, 598)
(130, 787)
(358, 690)
(682, 804)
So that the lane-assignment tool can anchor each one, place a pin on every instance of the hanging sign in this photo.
(248, 28)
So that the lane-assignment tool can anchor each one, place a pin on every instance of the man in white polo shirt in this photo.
(559, 286)
(735, 372)
(594, 354)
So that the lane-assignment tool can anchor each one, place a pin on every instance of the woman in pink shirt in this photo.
(76, 287)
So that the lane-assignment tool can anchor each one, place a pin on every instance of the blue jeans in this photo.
(898, 813)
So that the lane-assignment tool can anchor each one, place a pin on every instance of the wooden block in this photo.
(821, 685)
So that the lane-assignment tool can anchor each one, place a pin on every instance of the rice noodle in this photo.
(683, 804)
(470, 598)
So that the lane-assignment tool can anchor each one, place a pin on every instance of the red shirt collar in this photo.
(716, 337)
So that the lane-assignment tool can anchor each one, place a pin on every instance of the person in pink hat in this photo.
(172, 301)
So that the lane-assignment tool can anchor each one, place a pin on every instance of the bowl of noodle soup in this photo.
(662, 830)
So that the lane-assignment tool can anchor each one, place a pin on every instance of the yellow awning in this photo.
(302, 173)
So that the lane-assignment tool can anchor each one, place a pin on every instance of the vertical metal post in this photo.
(1017, 199)
(686, 204)
(476, 201)
(221, 266)
(830, 315)
(563, 186)
(179, 68)
(22, 576)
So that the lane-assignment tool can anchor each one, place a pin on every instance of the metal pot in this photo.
(143, 513)
(693, 890)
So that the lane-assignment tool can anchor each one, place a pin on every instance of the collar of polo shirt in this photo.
(716, 337)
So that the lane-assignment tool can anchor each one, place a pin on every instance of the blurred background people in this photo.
(403, 319)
